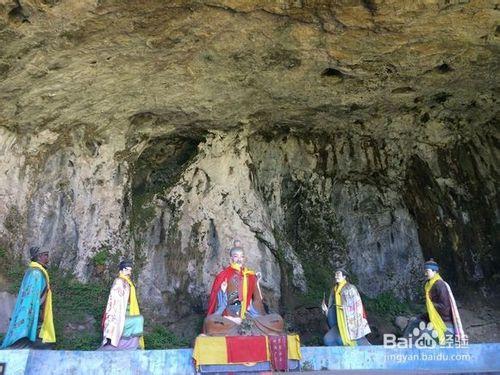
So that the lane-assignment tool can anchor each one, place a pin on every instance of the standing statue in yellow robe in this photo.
(122, 321)
(441, 324)
(345, 315)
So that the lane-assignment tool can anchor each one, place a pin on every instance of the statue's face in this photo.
(339, 277)
(43, 258)
(127, 271)
(238, 257)
(429, 273)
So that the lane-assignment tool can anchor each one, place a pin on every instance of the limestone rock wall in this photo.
(302, 206)
(329, 134)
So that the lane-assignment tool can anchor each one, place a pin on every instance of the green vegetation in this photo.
(101, 257)
(307, 366)
(162, 338)
(319, 281)
(387, 305)
(77, 304)
(13, 221)
(12, 268)
(207, 57)
(105, 262)
(143, 210)
(314, 340)
(81, 341)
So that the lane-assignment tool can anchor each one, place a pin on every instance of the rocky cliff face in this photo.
(361, 134)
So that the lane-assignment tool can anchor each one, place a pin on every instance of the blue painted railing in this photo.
(473, 358)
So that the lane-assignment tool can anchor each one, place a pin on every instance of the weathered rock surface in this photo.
(361, 134)
(7, 303)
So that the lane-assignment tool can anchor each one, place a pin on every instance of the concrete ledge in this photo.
(15, 361)
(475, 358)
(114, 362)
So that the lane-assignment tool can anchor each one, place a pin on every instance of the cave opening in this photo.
(158, 168)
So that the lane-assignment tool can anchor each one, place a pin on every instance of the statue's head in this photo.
(340, 275)
(125, 267)
(237, 256)
(430, 268)
(38, 255)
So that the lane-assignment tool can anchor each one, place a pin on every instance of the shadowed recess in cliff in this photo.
(306, 226)
(311, 227)
(157, 169)
(452, 211)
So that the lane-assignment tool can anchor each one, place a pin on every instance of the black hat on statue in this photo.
(124, 264)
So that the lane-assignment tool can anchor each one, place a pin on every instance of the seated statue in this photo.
(235, 306)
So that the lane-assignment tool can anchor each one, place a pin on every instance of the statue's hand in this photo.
(234, 319)
(259, 276)
(324, 307)
(223, 286)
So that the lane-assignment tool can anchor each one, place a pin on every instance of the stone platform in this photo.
(476, 358)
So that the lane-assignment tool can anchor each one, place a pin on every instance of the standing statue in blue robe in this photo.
(31, 324)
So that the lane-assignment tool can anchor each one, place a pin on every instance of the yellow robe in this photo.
(134, 305)
(436, 320)
(47, 331)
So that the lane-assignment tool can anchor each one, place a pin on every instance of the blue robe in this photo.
(25, 317)
(235, 309)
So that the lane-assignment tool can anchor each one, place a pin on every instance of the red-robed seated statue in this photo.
(235, 306)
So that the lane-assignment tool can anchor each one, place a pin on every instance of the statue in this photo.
(31, 324)
(122, 321)
(346, 315)
(235, 306)
(442, 321)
